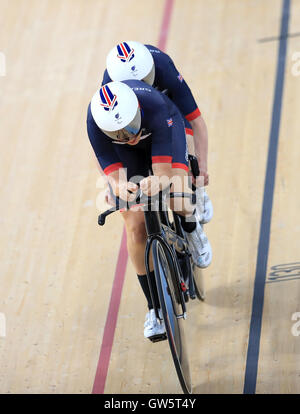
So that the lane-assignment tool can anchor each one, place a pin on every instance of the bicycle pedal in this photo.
(158, 338)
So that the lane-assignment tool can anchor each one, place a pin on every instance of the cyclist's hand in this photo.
(204, 176)
(201, 180)
(150, 185)
(109, 198)
(126, 191)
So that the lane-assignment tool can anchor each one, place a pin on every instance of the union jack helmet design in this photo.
(108, 99)
(125, 52)
(130, 60)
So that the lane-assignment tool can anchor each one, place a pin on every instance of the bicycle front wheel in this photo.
(169, 296)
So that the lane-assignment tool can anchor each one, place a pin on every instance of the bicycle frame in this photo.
(179, 234)
(170, 253)
(168, 238)
(165, 244)
(158, 226)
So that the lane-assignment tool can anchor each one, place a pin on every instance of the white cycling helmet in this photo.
(130, 60)
(115, 109)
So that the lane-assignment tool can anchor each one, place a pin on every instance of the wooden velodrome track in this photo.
(58, 297)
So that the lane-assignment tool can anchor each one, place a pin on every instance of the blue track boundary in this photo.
(265, 224)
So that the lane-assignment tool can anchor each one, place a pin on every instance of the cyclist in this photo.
(133, 127)
(134, 60)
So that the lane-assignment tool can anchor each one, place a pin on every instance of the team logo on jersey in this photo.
(170, 122)
(125, 52)
(108, 99)
(180, 77)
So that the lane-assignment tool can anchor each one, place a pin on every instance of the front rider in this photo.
(133, 127)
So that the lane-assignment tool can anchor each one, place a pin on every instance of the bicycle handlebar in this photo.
(143, 200)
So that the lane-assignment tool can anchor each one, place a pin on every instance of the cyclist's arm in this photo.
(181, 95)
(109, 162)
(120, 186)
(179, 91)
(201, 145)
(110, 165)
(103, 147)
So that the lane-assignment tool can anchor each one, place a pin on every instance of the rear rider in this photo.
(133, 60)
(133, 127)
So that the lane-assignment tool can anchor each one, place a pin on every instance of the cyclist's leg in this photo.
(137, 163)
(136, 238)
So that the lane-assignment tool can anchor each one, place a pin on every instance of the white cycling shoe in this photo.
(200, 246)
(204, 205)
(154, 330)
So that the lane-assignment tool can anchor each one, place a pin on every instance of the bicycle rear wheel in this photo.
(169, 296)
